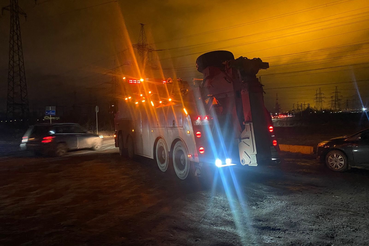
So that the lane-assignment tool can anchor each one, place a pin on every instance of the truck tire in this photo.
(162, 155)
(130, 148)
(122, 150)
(181, 163)
(213, 59)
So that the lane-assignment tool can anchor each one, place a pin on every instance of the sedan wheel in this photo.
(97, 145)
(336, 160)
(162, 155)
(181, 164)
(61, 149)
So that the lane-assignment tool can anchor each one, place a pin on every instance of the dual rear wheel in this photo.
(179, 158)
(128, 149)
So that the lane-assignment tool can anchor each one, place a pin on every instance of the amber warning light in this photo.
(133, 81)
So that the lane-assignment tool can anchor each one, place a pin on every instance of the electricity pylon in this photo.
(144, 51)
(17, 99)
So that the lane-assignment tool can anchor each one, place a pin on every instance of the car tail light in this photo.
(275, 142)
(202, 150)
(198, 118)
(206, 117)
(198, 134)
(47, 139)
(24, 139)
(271, 128)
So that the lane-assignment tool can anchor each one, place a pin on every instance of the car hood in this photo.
(337, 140)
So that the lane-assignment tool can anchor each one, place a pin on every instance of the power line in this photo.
(291, 35)
(93, 6)
(296, 53)
(262, 20)
(315, 22)
(231, 46)
(312, 85)
(302, 62)
(317, 69)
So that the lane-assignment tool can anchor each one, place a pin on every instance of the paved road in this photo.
(98, 198)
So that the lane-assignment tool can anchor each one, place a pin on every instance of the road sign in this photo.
(51, 118)
(50, 110)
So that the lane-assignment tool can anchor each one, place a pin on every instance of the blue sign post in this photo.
(50, 111)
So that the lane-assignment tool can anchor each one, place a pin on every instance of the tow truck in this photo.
(217, 121)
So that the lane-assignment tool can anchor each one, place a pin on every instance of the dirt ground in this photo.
(99, 198)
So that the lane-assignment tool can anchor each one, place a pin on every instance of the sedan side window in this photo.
(78, 129)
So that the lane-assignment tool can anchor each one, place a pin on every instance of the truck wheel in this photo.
(130, 148)
(61, 149)
(122, 151)
(213, 59)
(162, 155)
(181, 164)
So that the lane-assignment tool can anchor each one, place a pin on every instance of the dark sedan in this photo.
(339, 154)
(57, 139)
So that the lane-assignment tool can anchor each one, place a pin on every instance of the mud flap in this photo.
(247, 147)
(197, 169)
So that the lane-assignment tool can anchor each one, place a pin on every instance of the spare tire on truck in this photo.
(213, 59)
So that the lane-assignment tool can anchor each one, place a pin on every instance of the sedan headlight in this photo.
(321, 144)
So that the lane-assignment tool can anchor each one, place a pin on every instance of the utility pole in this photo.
(277, 105)
(347, 105)
(97, 121)
(17, 98)
(114, 92)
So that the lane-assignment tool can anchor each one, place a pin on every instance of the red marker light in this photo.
(198, 134)
(47, 139)
(275, 143)
(198, 118)
(201, 150)
(271, 128)
(206, 118)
